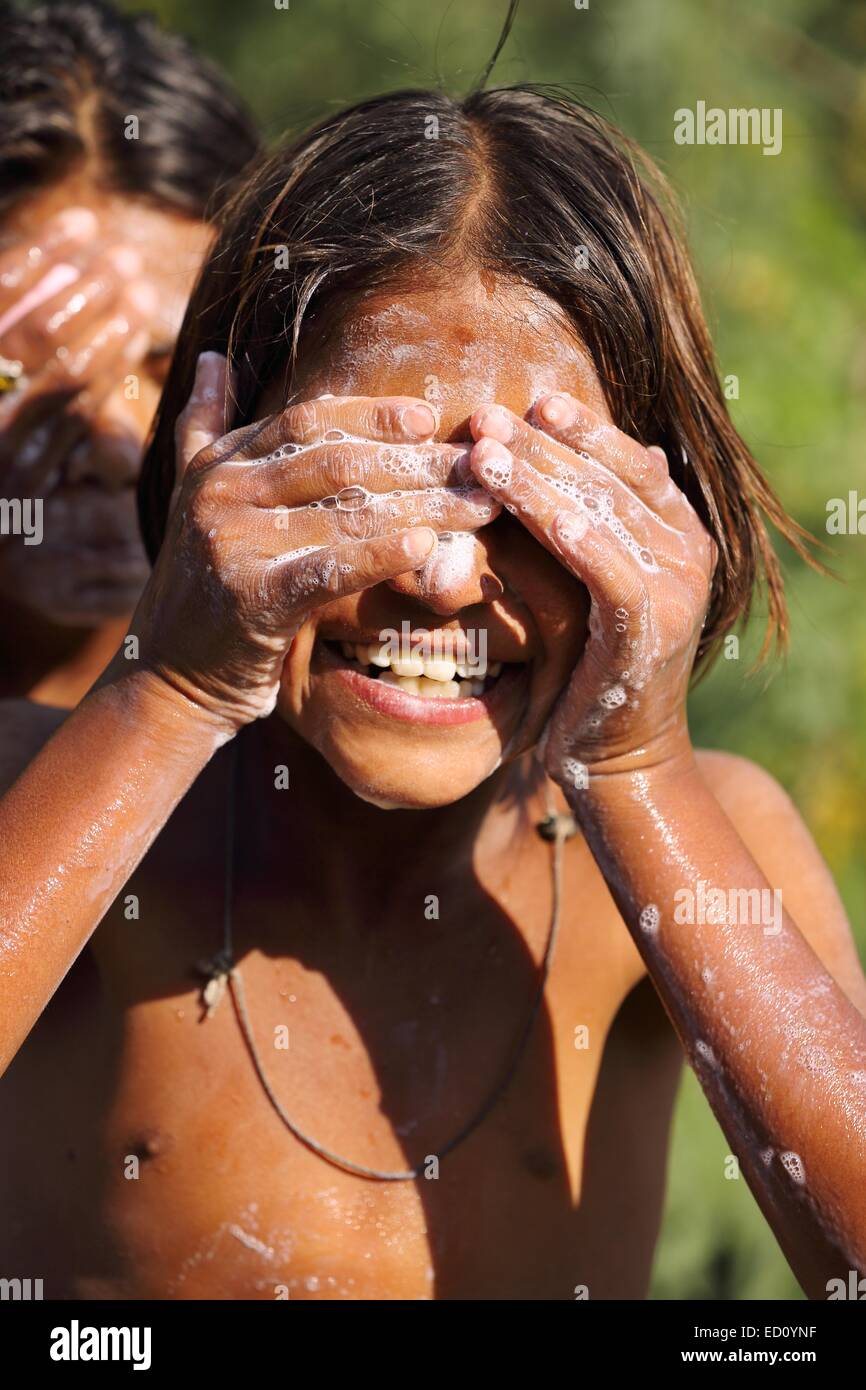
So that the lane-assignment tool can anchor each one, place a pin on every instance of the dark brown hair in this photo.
(71, 74)
(525, 181)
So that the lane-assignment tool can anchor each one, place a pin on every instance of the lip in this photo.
(398, 704)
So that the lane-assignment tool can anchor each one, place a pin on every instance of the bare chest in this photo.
(180, 1179)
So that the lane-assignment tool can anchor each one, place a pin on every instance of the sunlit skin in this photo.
(399, 1022)
(532, 612)
(95, 353)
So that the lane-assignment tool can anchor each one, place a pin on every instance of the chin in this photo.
(414, 780)
(397, 747)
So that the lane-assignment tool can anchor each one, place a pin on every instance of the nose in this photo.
(456, 576)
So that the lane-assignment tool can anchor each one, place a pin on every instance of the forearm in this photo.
(77, 822)
(779, 1049)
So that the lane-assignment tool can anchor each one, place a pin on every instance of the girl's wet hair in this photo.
(522, 181)
(71, 73)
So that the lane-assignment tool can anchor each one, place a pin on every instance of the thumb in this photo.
(205, 417)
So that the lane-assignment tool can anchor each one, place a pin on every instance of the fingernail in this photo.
(493, 462)
(493, 422)
(418, 420)
(558, 411)
(125, 259)
(418, 544)
(208, 381)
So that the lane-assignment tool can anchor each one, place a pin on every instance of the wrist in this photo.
(175, 717)
(626, 777)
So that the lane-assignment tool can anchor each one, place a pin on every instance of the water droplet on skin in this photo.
(793, 1166)
(351, 499)
(649, 919)
(577, 773)
(329, 503)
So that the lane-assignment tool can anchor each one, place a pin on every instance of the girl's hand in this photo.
(269, 523)
(75, 315)
(608, 509)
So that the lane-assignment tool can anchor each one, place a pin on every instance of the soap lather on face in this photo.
(483, 340)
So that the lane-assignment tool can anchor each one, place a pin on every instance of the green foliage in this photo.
(780, 248)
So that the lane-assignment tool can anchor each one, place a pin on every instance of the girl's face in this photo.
(496, 590)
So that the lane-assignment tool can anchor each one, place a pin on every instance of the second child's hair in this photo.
(72, 72)
(528, 183)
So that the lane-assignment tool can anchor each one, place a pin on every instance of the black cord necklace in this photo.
(223, 974)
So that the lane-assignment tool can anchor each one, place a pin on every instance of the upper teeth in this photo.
(424, 675)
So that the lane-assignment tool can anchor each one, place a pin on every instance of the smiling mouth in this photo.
(435, 677)
(447, 691)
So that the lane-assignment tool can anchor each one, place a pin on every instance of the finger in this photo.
(536, 502)
(56, 319)
(56, 279)
(645, 470)
(204, 418)
(573, 442)
(297, 583)
(25, 263)
(280, 529)
(294, 476)
(389, 419)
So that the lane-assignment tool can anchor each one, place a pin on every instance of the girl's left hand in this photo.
(608, 509)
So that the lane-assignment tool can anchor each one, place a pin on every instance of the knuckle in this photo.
(329, 575)
(358, 526)
(653, 466)
(200, 505)
(387, 418)
(303, 422)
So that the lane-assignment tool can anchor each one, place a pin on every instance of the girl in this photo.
(455, 510)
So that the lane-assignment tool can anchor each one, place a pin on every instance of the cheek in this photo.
(556, 601)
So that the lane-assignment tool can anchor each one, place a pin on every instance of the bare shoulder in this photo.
(25, 728)
(775, 833)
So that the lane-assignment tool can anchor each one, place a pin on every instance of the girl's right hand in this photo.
(281, 517)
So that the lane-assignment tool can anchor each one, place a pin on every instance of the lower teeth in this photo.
(430, 689)
(426, 687)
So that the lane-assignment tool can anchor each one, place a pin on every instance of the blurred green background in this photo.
(780, 248)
